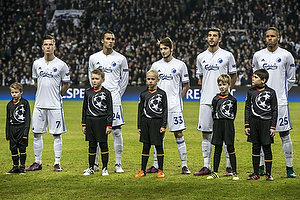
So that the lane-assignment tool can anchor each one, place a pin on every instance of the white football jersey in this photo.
(281, 67)
(211, 66)
(172, 74)
(49, 79)
(115, 68)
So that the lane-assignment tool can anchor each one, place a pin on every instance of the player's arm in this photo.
(290, 71)
(7, 129)
(91, 67)
(27, 121)
(35, 83)
(124, 76)
(185, 88)
(84, 109)
(140, 110)
(164, 114)
(247, 114)
(233, 80)
(64, 88)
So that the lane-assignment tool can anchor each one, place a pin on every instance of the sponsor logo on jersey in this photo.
(166, 77)
(211, 67)
(46, 74)
(269, 67)
(105, 69)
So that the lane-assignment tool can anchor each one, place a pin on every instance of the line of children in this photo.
(260, 122)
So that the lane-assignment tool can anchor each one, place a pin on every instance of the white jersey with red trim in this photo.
(211, 66)
(49, 79)
(172, 74)
(281, 67)
(115, 68)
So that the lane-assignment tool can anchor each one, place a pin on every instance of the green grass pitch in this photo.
(71, 184)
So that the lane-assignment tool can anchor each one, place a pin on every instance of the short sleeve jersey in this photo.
(49, 78)
(115, 68)
(281, 67)
(211, 66)
(172, 74)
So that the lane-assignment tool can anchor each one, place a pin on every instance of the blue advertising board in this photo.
(132, 93)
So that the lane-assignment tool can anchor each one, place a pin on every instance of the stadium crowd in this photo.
(138, 25)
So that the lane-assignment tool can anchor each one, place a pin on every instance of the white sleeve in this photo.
(91, 68)
(34, 74)
(184, 74)
(124, 76)
(65, 74)
(199, 70)
(290, 71)
(231, 64)
(254, 63)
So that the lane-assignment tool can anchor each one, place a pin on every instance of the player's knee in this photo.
(178, 134)
(117, 132)
(206, 136)
(230, 149)
(14, 151)
(103, 147)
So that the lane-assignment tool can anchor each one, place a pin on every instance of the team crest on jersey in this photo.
(98, 99)
(155, 104)
(54, 69)
(113, 64)
(220, 60)
(226, 109)
(19, 113)
(173, 70)
(261, 100)
(278, 60)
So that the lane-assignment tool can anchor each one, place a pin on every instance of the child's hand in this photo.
(247, 131)
(83, 129)
(139, 131)
(162, 130)
(108, 130)
(272, 132)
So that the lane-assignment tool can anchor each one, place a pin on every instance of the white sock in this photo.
(38, 147)
(97, 154)
(287, 149)
(181, 147)
(206, 149)
(118, 144)
(228, 164)
(262, 157)
(57, 146)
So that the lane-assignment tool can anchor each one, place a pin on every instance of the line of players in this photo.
(51, 76)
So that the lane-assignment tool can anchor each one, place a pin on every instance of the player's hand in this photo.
(139, 131)
(162, 130)
(272, 132)
(83, 129)
(247, 131)
(108, 130)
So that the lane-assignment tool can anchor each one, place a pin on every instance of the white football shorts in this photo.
(42, 118)
(205, 122)
(176, 121)
(283, 120)
(118, 119)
